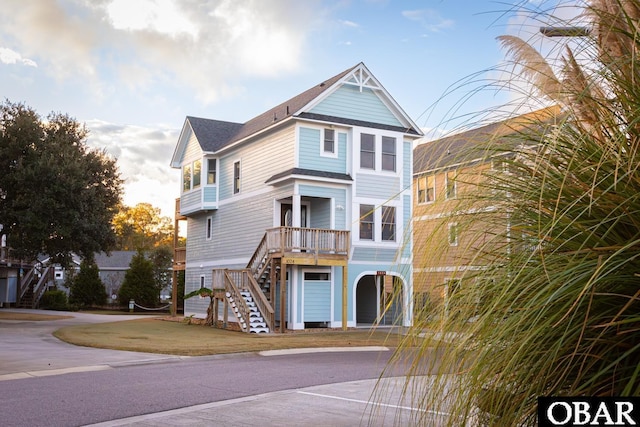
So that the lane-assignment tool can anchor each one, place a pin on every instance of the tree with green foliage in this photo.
(162, 259)
(139, 283)
(142, 227)
(559, 313)
(57, 196)
(86, 288)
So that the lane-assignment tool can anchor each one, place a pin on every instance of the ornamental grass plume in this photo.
(554, 308)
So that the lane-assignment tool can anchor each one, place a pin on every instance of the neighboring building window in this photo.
(186, 178)
(426, 188)
(388, 223)
(197, 170)
(329, 141)
(388, 154)
(209, 228)
(453, 234)
(367, 151)
(451, 185)
(236, 177)
(366, 222)
(211, 171)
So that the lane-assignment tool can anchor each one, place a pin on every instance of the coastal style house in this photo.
(298, 218)
(451, 186)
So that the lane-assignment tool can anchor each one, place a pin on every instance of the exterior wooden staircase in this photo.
(251, 292)
(34, 284)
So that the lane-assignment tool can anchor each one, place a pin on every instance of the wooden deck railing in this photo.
(243, 279)
(179, 258)
(314, 240)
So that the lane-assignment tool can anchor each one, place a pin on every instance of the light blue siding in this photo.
(361, 253)
(348, 102)
(317, 301)
(210, 195)
(310, 147)
(407, 166)
(340, 197)
(377, 186)
(407, 244)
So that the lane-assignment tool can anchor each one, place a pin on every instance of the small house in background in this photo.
(299, 217)
(445, 173)
(112, 268)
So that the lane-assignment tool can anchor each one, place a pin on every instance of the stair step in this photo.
(259, 330)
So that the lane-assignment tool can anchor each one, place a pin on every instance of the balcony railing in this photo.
(179, 258)
(311, 240)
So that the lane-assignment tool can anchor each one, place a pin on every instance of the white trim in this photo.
(216, 263)
(329, 154)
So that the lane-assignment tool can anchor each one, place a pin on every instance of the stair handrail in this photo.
(25, 282)
(243, 308)
(267, 311)
(259, 255)
(244, 280)
(39, 289)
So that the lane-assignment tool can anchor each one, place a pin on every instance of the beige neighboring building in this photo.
(448, 173)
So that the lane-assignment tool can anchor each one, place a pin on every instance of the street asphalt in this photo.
(29, 350)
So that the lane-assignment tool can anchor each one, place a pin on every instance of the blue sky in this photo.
(133, 69)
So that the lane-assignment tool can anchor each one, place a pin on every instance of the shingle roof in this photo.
(310, 172)
(476, 144)
(214, 135)
(118, 260)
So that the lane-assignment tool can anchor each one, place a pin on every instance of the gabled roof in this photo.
(477, 144)
(115, 260)
(215, 135)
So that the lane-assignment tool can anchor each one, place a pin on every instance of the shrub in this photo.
(54, 300)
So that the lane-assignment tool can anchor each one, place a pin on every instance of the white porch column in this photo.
(296, 207)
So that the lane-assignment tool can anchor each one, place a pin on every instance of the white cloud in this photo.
(348, 23)
(143, 155)
(8, 56)
(162, 16)
(429, 19)
(203, 46)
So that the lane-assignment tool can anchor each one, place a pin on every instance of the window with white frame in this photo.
(367, 151)
(209, 230)
(211, 171)
(197, 171)
(202, 282)
(453, 234)
(367, 222)
(186, 177)
(388, 223)
(426, 188)
(236, 177)
(329, 141)
(388, 154)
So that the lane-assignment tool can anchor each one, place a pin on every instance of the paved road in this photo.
(127, 388)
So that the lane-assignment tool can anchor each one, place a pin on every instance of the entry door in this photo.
(286, 215)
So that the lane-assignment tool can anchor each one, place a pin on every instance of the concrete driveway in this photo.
(29, 349)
